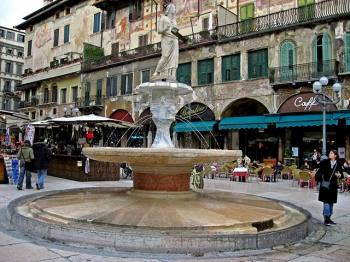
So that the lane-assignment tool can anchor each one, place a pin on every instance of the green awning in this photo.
(305, 120)
(194, 126)
(242, 122)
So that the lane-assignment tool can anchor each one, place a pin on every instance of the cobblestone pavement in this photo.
(325, 244)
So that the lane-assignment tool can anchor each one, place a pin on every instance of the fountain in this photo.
(160, 213)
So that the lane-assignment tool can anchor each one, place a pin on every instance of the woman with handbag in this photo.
(328, 174)
(25, 155)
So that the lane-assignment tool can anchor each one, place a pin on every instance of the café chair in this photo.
(285, 171)
(268, 172)
(255, 173)
(295, 172)
(304, 176)
(292, 167)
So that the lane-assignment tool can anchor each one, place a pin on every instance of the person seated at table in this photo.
(346, 168)
(255, 164)
(243, 161)
(306, 166)
(277, 170)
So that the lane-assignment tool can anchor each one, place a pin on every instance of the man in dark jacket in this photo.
(42, 156)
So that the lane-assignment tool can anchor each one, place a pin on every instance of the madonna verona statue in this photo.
(167, 65)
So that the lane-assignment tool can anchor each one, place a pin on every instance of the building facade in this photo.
(251, 65)
(11, 70)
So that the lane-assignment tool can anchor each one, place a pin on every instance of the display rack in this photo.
(12, 169)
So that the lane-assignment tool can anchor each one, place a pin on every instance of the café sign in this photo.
(196, 111)
(302, 102)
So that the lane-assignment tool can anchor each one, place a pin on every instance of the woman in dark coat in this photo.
(329, 196)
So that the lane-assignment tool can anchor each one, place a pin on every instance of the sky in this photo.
(12, 11)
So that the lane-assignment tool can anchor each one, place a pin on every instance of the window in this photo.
(183, 73)
(67, 11)
(27, 95)
(306, 10)
(29, 51)
(9, 51)
(10, 35)
(33, 115)
(31, 28)
(206, 72)
(9, 67)
(145, 76)
(135, 10)
(99, 93)
(66, 34)
(126, 85)
(54, 94)
(17, 83)
(55, 37)
(112, 86)
(54, 111)
(111, 19)
(143, 40)
(57, 15)
(63, 95)
(258, 64)
(46, 96)
(20, 38)
(6, 104)
(322, 56)
(288, 61)
(231, 67)
(19, 69)
(247, 18)
(205, 23)
(19, 53)
(87, 94)
(74, 93)
(97, 18)
(347, 52)
(41, 112)
(7, 86)
(2, 33)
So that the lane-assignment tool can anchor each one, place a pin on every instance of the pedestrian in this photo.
(42, 156)
(330, 171)
(277, 169)
(316, 159)
(25, 154)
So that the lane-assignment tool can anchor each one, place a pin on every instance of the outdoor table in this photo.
(312, 184)
(240, 172)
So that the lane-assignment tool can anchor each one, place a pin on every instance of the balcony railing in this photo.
(273, 21)
(303, 72)
(90, 101)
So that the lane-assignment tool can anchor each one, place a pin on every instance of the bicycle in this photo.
(196, 177)
(343, 185)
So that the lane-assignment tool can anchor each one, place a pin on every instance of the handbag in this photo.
(325, 184)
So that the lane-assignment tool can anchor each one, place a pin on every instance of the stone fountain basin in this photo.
(161, 156)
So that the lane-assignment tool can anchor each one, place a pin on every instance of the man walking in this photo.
(42, 156)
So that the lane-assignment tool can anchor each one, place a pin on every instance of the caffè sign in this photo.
(302, 102)
(196, 111)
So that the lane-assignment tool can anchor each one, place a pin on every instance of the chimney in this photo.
(46, 2)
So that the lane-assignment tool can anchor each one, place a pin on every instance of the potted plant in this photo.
(287, 152)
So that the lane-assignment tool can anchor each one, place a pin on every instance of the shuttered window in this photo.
(288, 62)
(54, 94)
(87, 94)
(29, 51)
(258, 64)
(145, 76)
(55, 37)
(97, 20)
(306, 10)
(183, 74)
(322, 56)
(98, 100)
(143, 40)
(231, 68)
(246, 16)
(112, 86)
(66, 34)
(347, 52)
(126, 84)
(206, 72)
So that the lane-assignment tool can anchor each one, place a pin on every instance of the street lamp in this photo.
(72, 111)
(319, 88)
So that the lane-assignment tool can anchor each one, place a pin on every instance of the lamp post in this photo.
(72, 111)
(319, 88)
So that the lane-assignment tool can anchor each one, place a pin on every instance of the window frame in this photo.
(232, 66)
(29, 49)
(66, 34)
(206, 77)
(97, 23)
(126, 84)
(63, 95)
(181, 75)
(261, 64)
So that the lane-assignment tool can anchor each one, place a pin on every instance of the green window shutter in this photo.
(108, 87)
(66, 34)
(301, 2)
(258, 64)
(231, 68)
(129, 87)
(210, 73)
(87, 94)
(309, 2)
(347, 52)
(236, 67)
(326, 47)
(264, 63)
(250, 11)
(97, 18)
(123, 84)
(243, 13)
(183, 73)
(226, 68)
(206, 72)
(202, 68)
(99, 92)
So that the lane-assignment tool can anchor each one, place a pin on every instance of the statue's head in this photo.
(170, 9)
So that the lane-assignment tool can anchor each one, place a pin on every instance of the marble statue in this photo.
(167, 65)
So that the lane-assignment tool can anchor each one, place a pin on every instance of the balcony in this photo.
(295, 17)
(91, 102)
(307, 72)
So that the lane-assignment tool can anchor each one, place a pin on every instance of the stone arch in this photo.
(244, 107)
